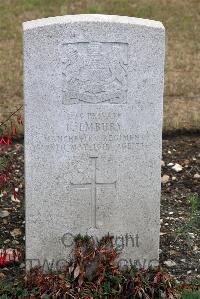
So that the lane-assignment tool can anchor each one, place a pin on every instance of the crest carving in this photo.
(94, 72)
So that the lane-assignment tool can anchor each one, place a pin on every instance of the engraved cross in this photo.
(93, 185)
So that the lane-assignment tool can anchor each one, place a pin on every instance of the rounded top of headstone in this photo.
(96, 18)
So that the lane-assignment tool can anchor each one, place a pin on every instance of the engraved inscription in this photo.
(93, 185)
(94, 72)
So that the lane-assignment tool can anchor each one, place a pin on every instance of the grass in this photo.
(180, 17)
(192, 223)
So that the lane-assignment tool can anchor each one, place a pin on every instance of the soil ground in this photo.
(181, 249)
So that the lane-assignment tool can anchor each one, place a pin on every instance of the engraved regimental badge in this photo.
(94, 72)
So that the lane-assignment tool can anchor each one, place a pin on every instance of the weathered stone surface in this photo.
(93, 87)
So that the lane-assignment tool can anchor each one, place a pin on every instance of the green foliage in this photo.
(192, 201)
(3, 163)
(193, 218)
(189, 294)
(81, 238)
(194, 282)
(10, 290)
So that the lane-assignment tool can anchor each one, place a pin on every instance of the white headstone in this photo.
(93, 88)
